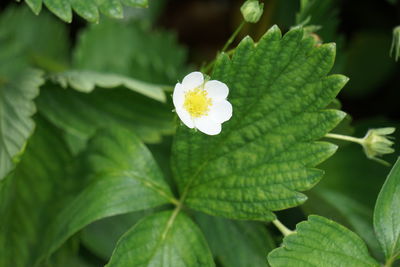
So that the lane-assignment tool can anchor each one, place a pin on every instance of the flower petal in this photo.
(207, 126)
(216, 89)
(179, 96)
(220, 111)
(185, 117)
(192, 80)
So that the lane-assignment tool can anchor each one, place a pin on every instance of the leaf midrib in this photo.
(165, 232)
(149, 184)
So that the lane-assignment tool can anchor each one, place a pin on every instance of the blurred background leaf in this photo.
(17, 91)
(131, 48)
(144, 56)
(81, 114)
(387, 217)
(236, 243)
(42, 40)
(102, 236)
(86, 81)
(88, 9)
(124, 178)
(31, 196)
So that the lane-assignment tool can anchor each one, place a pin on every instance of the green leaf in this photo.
(267, 152)
(143, 54)
(345, 210)
(236, 243)
(32, 195)
(125, 179)
(81, 114)
(102, 236)
(86, 81)
(386, 215)
(321, 242)
(162, 154)
(87, 9)
(163, 239)
(17, 91)
(42, 40)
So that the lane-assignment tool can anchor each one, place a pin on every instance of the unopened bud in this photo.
(377, 143)
(252, 11)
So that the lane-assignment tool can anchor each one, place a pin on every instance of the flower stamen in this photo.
(197, 103)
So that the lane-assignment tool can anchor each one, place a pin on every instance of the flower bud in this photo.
(377, 143)
(252, 11)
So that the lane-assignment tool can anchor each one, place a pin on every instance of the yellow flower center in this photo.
(197, 103)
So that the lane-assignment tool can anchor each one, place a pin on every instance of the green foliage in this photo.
(88, 9)
(17, 91)
(351, 184)
(86, 81)
(41, 40)
(155, 58)
(142, 53)
(387, 217)
(236, 243)
(125, 178)
(101, 236)
(80, 115)
(32, 195)
(347, 211)
(78, 186)
(321, 242)
(163, 239)
(267, 151)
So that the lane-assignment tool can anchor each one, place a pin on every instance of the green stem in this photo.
(389, 262)
(284, 230)
(345, 138)
(208, 67)
(171, 221)
(233, 36)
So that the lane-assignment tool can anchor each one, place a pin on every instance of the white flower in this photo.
(202, 104)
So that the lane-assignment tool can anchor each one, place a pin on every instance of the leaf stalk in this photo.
(233, 36)
(345, 138)
(282, 228)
